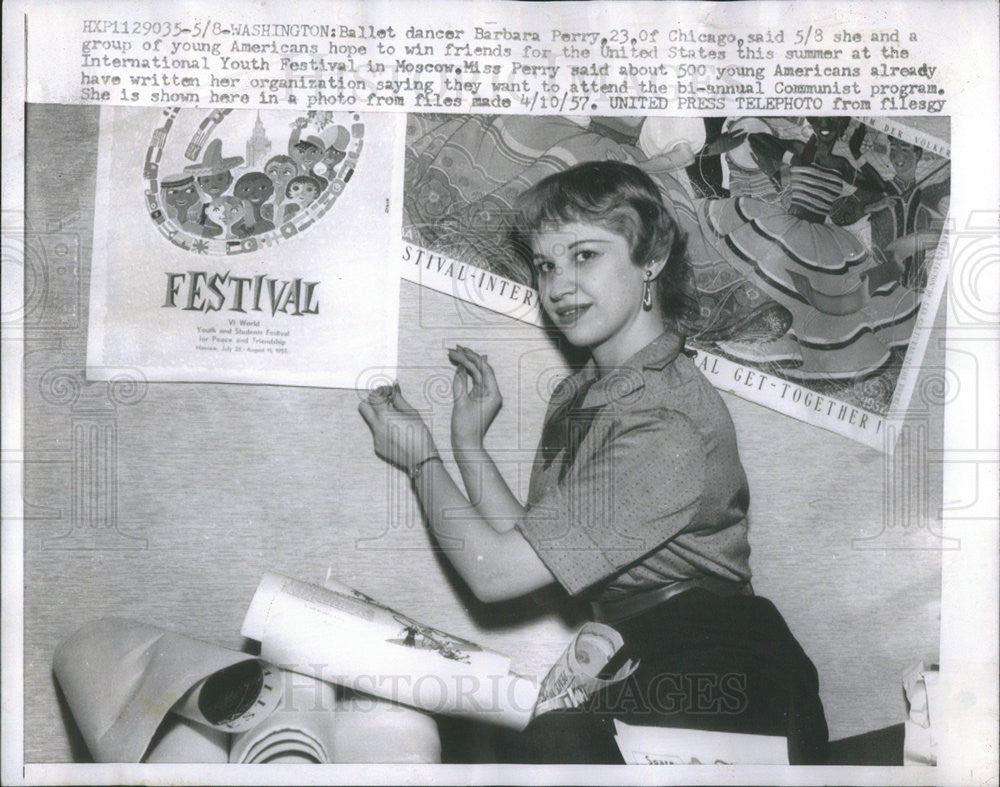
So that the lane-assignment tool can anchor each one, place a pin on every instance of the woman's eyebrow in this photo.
(570, 247)
(576, 243)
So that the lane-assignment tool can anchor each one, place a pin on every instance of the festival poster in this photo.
(245, 246)
(816, 244)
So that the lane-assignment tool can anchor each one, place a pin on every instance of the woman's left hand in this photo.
(476, 405)
(400, 434)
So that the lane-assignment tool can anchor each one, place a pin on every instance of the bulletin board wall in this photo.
(165, 502)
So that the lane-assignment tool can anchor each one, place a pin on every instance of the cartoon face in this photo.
(226, 212)
(217, 213)
(828, 128)
(216, 183)
(904, 158)
(332, 157)
(280, 172)
(307, 154)
(302, 191)
(588, 284)
(255, 187)
(181, 195)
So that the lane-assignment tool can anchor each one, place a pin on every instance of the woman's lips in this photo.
(571, 314)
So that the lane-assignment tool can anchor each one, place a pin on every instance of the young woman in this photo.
(638, 500)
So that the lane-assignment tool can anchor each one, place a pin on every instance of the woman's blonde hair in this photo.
(622, 199)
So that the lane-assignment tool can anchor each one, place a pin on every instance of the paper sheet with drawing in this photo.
(816, 285)
(239, 246)
(365, 646)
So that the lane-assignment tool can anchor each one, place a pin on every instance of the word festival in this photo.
(205, 292)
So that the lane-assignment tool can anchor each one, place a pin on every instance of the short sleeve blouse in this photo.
(648, 490)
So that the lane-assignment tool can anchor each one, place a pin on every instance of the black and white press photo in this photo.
(500, 392)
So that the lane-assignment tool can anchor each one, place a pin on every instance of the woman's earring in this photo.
(647, 293)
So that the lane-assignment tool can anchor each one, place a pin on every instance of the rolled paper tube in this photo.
(285, 756)
(234, 699)
(121, 678)
(370, 629)
(367, 647)
(181, 740)
(302, 729)
(593, 660)
(288, 746)
(373, 730)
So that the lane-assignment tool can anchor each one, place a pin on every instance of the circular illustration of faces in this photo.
(234, 181)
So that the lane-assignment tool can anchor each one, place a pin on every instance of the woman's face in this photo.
(217, 213)
(587, 282)
(227, 212)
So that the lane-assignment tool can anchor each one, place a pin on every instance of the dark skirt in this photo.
(705, 662)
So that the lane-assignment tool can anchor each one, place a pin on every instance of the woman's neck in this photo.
(614, 352)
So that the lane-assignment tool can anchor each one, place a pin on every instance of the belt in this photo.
(631, 605)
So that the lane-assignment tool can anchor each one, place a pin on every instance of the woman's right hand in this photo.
(400, 435)
(477, 398)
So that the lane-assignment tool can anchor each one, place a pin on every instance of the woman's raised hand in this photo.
(400, 434)
(477, 398)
